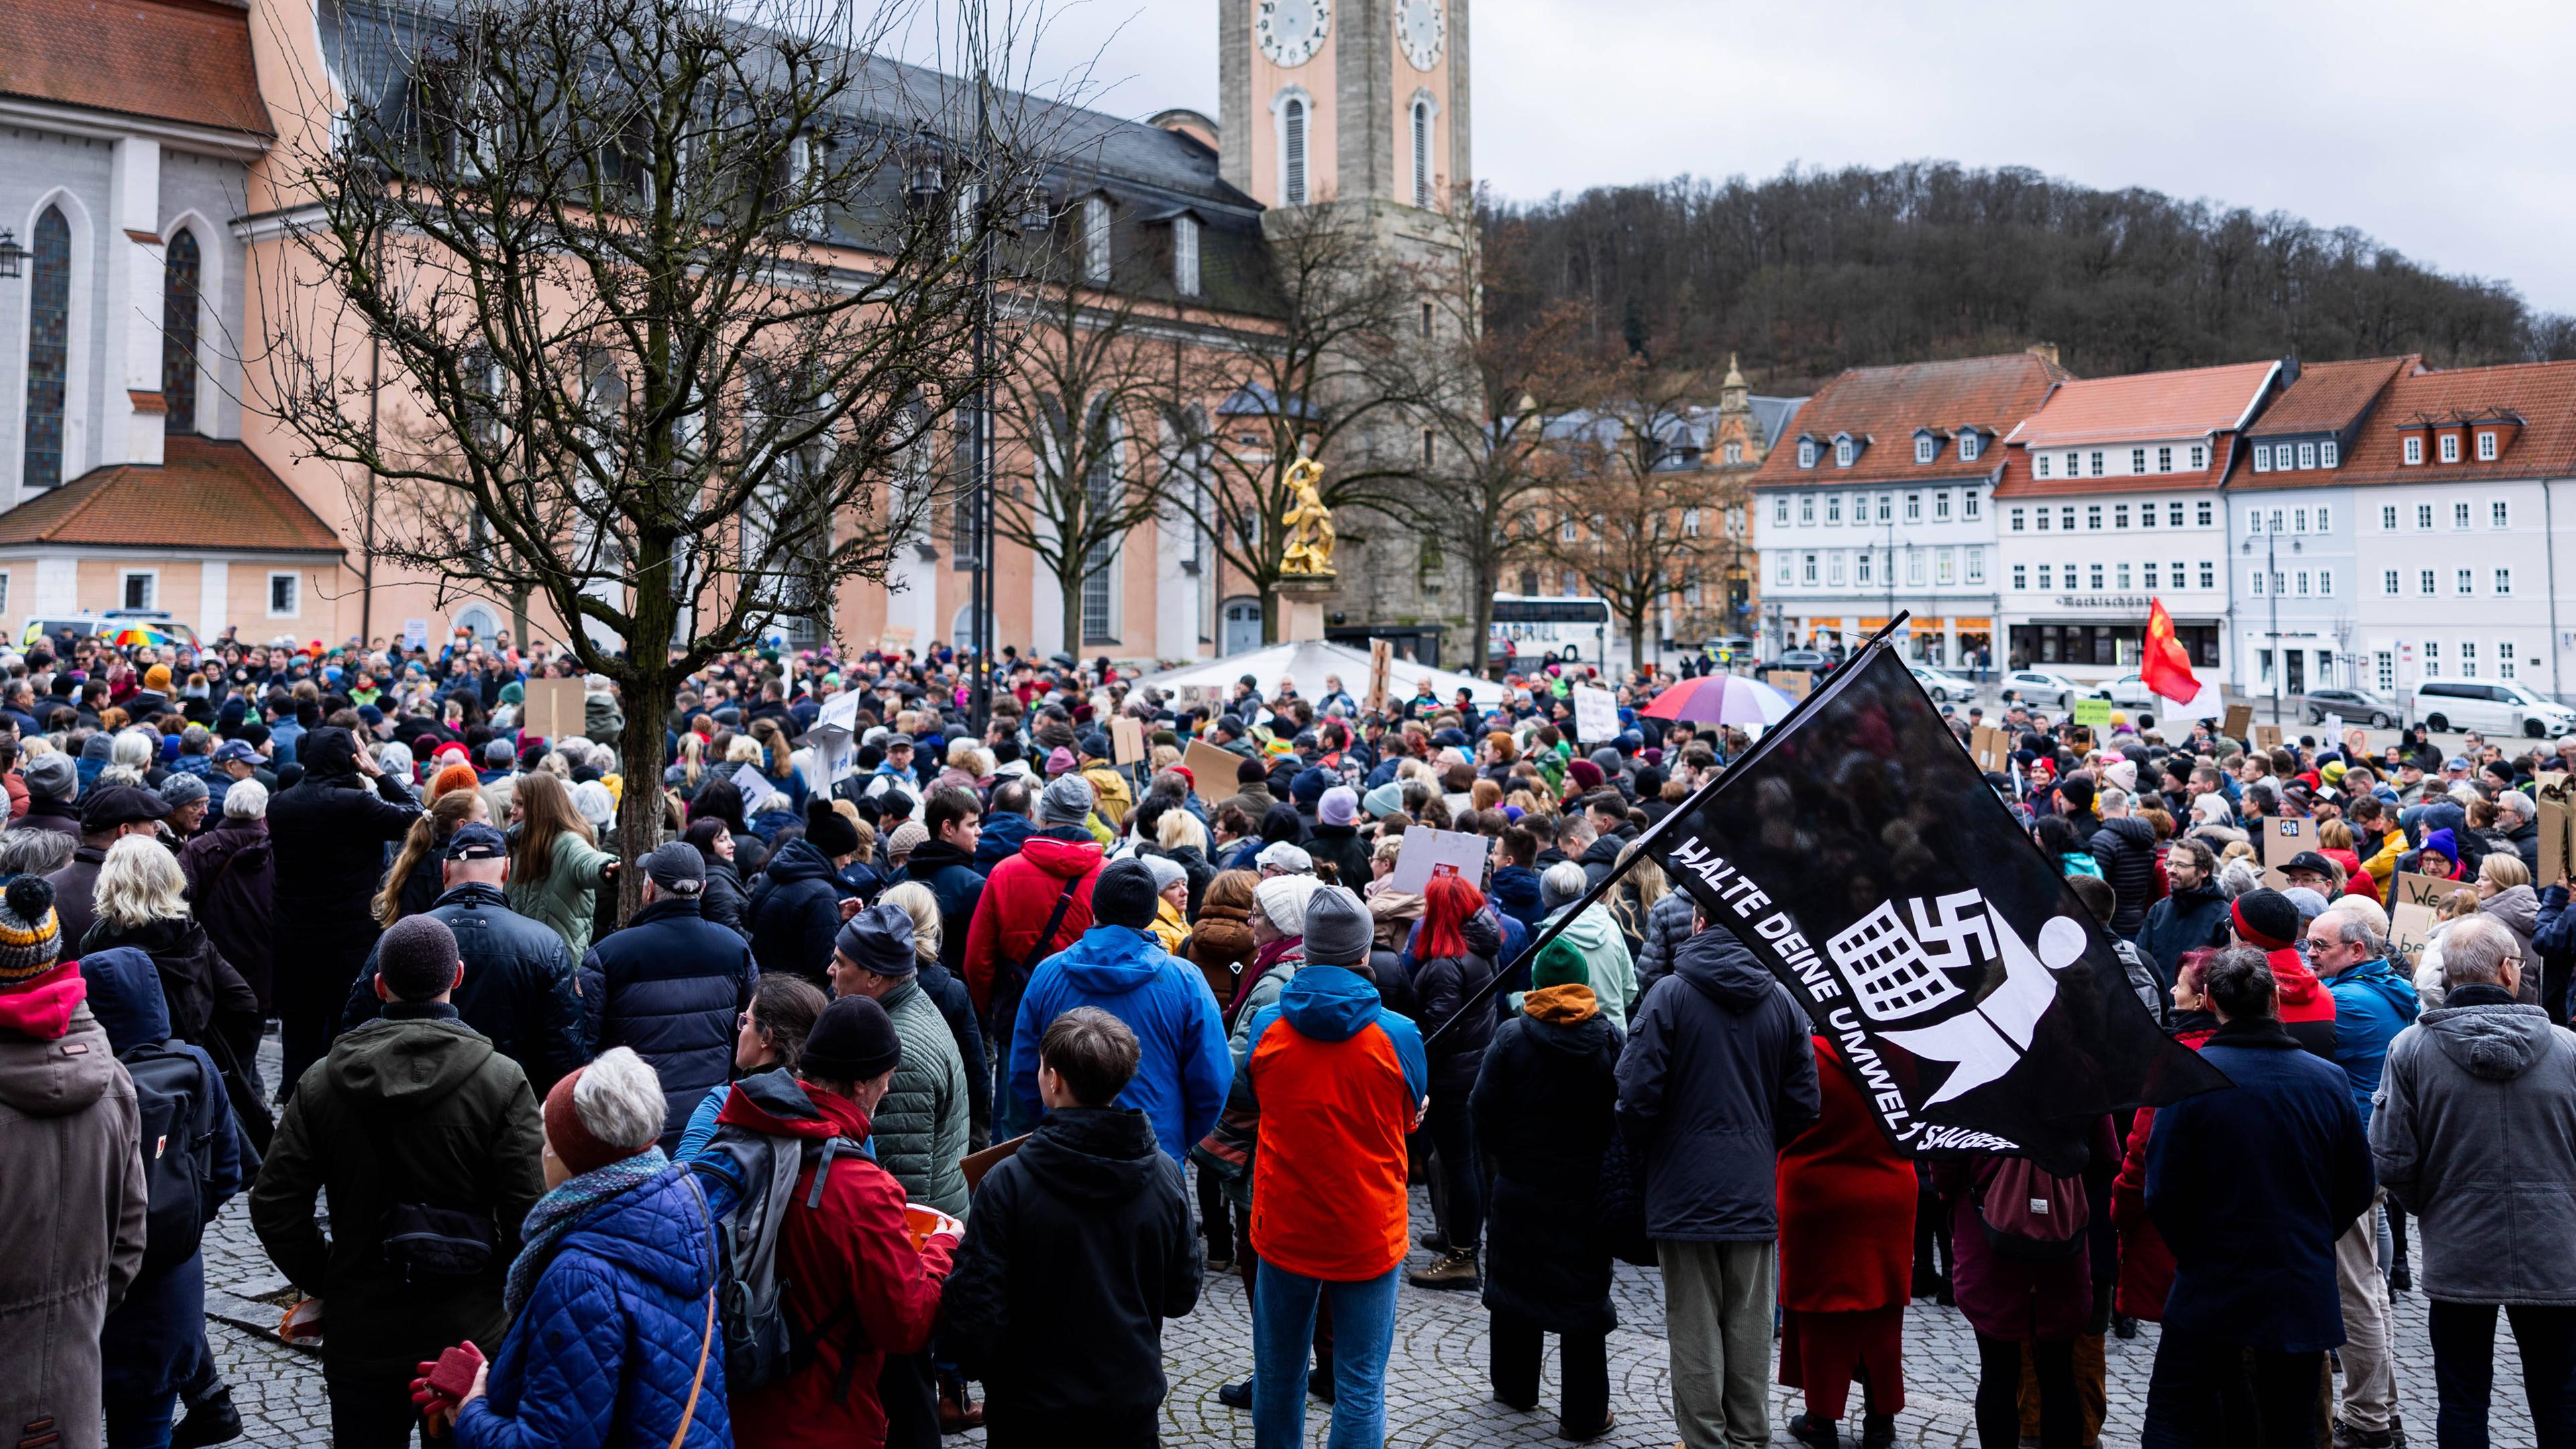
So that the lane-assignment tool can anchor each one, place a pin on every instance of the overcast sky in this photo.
(2443, 131)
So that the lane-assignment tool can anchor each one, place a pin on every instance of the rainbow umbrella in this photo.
(1722, 699)
(132, 635)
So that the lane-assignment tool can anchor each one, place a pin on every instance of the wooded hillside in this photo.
(1810, 272)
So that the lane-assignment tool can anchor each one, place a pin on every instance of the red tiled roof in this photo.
(2017, 482)
(2329, 395)
(213, 496)
(2543, 394)
(1886, 404)
(2147, 406)
(173, 60)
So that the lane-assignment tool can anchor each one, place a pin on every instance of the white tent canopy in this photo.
(1307, 663)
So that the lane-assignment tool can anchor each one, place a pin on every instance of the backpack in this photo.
(762, 1345)
(2030, 1213)
(172, 1089)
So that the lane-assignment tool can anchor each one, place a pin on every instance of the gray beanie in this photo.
(1167, 871)
(52, 776)
(1338, 929)
(1067, 801)
(183, 789)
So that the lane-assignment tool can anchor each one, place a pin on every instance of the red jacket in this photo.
(1846, 1205)
(1018, 898)
(1340, 1081)
(849, 1264)
(2146, 1264)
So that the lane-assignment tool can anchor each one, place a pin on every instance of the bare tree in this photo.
(1311, 386)
(1634, 522)
(671, 296)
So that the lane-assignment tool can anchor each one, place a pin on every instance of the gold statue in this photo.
(1309, 523)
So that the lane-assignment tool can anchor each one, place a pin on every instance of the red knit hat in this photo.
(573, 1143)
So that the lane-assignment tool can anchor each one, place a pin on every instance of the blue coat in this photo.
(794, 912)
(1184, 1070)
(518, 988)
(2373, 1003)
(668, 985)
(153, 1341)
(1004, 834)
(2251, 1184)
(607, 1347)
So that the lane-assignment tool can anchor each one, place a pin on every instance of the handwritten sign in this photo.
(2409, 927)
(1127, 739)
(1795, 683)
(2240, 718)
(2283, 839)
(2093, 713)
(756, 791)
(1596, 715)
(2410, 888)
(2267, 737)
(1429, 853)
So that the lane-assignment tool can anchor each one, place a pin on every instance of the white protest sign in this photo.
(755, 790)
(415, 633)
(1427, 853)
(1596, 715)
(2334, 726)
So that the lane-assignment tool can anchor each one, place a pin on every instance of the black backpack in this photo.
(761, 1345)
(173, 1091)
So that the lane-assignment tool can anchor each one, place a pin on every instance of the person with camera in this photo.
(428, 1142)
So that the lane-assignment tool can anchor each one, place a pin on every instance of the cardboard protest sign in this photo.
(415, 633)
(2267, 737)
(1596, 715)
(1213, 770)
(1127, 739)
(1990, 747)
(2409, 927)
(2240, 718)
(2356, 742)
(2409, 888)
(1795, 683)
(1428, 853)
(2555, 823)
(1381, 663)
(2095, 713)
(552, 708)
(2283, 839)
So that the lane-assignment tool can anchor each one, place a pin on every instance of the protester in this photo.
(1455, 956)
(723, 900)
(1595, 933)
(1847, 1203)
(2192, 916)
(949, 995)
(1035, 903)
(945, 862)
(231, 872)
(1078, 1249)
(2146, 1264)
(920, 1126)
(555, 861)
(74, 1197)
(1717, 1076)
(323, 831)
(141, 901)
(669, 985)
(794, 908)
(108, 814)
(2373, 1003)
(458, 1181)
(771, 1038)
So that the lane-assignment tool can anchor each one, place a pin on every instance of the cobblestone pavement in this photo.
(1436, 1391)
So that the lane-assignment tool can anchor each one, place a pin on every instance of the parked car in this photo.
(2356, 706)
(1944, 687)
(2489, 706)
(91, 625)
(1728, 650)
(2040, 687)
(1815, 661)
(2130, 692)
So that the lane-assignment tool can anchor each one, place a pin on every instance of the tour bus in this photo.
(1528, 627)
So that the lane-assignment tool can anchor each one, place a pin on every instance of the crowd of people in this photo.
(913, 1087)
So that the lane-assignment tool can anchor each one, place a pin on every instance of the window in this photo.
(2303, 583)
(2150, 572)
(1808, 575)
(1095, 240)
(2066, 518)
(2074, 465)
(2325, 582)
(1970, 504)
(1914, 566)
(2258, 583)
(2388, 583)
(2413, 451)
(2039, 464)
(2325, 520)
(1833, 508)
(1941, 505)
(2202, 518)
(2432, 656)
(2424, 583)
(2504, 583)
(2499, 514)
(2120, 576)
(1185, 263)
(2043, 575)
(1806, 508)
(1914, 508)
(2299, 520)
(2094, 571)
(49, 303)
(2307, 455)
(1976, 565)
(2120, 517)
(1806, 452)
(1690, 523)
(1886, 505)
(2044, 516)
(2199, 456)
(1780, 509)
(2164, 460)
(2147, 515)
(2277, 521)
(1784, 568)
(1942, 563)
(1971, 444)
(1422, 154)
(2097, 462)
(2137, 460)
(2329, 454)
(1861, 565)
(1926, 448)
(2177, 576)
(2504, 660)
(285, 595)
(2262, 457)
(2388, 518)
(1834, 568)
(2486, 447)
(1566, 529)
(2021, 576)
(1735, 452)
(2254, 521)
(180, 276)
(2468, 659)
(2459, 515)
(2208, 574)
(2423, 515)
(1844, 452)
(2450, 446)
(1292, 151)
(139, 588)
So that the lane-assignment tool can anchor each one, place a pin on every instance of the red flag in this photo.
(2165, 666)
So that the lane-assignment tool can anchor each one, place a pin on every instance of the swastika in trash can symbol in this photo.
(1890, 972)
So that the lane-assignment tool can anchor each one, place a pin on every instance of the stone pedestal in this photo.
(1301, 606)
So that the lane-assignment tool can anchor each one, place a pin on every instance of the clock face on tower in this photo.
(1418, 25)
(1290, 30)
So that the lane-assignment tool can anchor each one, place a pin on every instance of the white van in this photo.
(2489, 706)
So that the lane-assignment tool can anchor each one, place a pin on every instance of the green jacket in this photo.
(563, 901)
(920, 1128)
(414, 1108)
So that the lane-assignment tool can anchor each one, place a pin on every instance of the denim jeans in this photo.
(1283, 1324)
(2206, 1391)
(140, 1423)
(2464, 1371)
(1010, 1119)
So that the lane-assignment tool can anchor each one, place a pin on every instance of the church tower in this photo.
(1344, 100)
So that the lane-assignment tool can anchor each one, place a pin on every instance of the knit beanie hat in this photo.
(51, 776)
(1560, 965)
(157, 678)
(906, 839)
(1167, 871)
(1067, 801)
(828, 830)
(1383, 801)
(1123, 894)
(1339, 804)
(2266, 918)
(452, 777)
(852, 1041)
(30, 937)
(1282, 899)
(1338, 929)
(879, 939)
(580, 1149)
(2443, 844)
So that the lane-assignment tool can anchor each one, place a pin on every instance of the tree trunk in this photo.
(1486, 576)
(1270, 620)
(647, 699)
(1636, 642)
(1070, 584)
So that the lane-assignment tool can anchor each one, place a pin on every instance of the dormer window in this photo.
(1845, 451)
(2413, 451)
(2329, 454)
(1926, 447)
(2262, 457)
(1970, 446)
(2307, 455)
(2486, 446)
(2039, 465)
(2450, 447)
(1095, 240)
(1806, 452)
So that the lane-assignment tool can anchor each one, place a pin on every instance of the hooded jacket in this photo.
(1339, 1081)
(72, 1201)
(519, 991)
(1668, 924)
(723, 900)
(794, 912)
(1516, 894)
(2125, 849)
(669, 985)
(1004, 832)
(411, 1108)
(607, 1349)
(1600, 858)
(2373, 1003)
(922, 1124)
(152, 1340)
(1019, 897)
(2192, 918)
(1083, 1237)
(232, 888)
(1717, 1077)
(1183, 1068)
(319, 830)
(2517, 909)
(2476, 1135)
(1444, 984)
(853, 1278)
(1541, 1108)
(1596, 934)
(953, 880)
(1341, 844)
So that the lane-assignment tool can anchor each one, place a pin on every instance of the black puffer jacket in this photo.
(723, 901)
(1444, 984)
(2189, 919)
(668, 985)
(327, 831)
(2125, 848)
(795, 911)
(518, 990)
(204, 993)
(232, 887)
(1541, 1110)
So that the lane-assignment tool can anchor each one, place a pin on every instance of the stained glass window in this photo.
(179, 332)
(49, 307)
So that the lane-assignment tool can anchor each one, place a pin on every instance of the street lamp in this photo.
(13, 257)
(2272, 594)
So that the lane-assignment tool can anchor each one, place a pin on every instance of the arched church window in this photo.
(49, 313)
(1292, 171)
(180, 276)
(1422, 154)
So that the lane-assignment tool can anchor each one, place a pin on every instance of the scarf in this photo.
(562, 1209)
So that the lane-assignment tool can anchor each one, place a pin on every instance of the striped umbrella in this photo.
(132, 635)
(1722, 699)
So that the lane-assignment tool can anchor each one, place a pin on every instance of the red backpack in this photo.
(2028, 1212)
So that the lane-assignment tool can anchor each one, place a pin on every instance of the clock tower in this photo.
(1344, 100)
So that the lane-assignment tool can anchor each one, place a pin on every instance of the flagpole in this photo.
(1636, 851)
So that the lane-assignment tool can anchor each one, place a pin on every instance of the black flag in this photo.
(1858, 852)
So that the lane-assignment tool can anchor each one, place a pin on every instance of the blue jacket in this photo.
(150, 1344)
(2251, 1184)
(794, 911)
(1185, 1068)
(1004, 834)
(607, 1347)
(1516, 893)
(2553, 935)
(2372, 1005)
(668, 985)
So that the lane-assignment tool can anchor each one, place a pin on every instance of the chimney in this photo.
(2044, 351)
